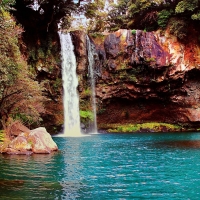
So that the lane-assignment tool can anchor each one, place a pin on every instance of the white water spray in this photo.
(91, 63)
(70, 83)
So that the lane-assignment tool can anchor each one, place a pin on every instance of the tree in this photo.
(5, 4)
(154, 14)
(20, 96)
(96, 14)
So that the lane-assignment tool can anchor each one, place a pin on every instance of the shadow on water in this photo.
(175, 140)
(28, 177)
(184, 144)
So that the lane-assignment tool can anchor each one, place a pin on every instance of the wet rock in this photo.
(150, 67)
(80, 49)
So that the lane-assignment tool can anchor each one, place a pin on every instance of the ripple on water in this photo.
(147, 166)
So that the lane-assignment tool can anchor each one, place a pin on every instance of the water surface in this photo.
(107, 166)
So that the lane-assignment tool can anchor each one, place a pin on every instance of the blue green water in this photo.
(107, 166)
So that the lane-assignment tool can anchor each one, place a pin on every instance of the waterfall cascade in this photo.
(70, 83)
(91, 52)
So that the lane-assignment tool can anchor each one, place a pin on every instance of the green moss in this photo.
(150, 59)
(132, 78)
(97, 35)
(133, 32)
(87, 92)
(57, 84)
(86, 116)
(151, 126)
(2, 135)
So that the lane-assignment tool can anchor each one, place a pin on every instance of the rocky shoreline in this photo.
(27, 142)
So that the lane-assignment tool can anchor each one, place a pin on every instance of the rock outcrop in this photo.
(147, 77)
(35, 141)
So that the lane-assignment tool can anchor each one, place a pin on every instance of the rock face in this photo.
(35, 141)
(147, 77)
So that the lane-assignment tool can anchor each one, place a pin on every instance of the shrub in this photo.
(196, 16)
(133, 32)
(163, 18)
(184, 5)
(178, 27)
(86, 116)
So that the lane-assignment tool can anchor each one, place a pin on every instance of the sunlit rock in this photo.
(35, 141)
(41, 141)
(151, 76)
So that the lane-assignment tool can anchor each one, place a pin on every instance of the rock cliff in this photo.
(145, 77)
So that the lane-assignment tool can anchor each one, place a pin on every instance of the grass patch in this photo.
(149, 127)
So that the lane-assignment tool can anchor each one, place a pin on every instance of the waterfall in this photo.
(91, 62)
(70, 83)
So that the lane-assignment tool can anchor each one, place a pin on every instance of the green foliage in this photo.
(92, 8)
(186, 5)
(24, 117)
(133, 32)
(132, 78)
(86, 116)
(97, 16)
(87, 92)
(9, 51)
(178, 27)
(5, 4)
(41, 53)
(19, 94)
(57, 84)
(151, 126)
(151, 15)
(2, 135)
(152, 59)
(101, 111)
(97, 35)
(196, 16)
(133, 9)
(163, 17)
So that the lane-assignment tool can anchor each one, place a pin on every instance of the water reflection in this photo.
(28, 177)
(186, 144)
(71, 171)
(128, 166)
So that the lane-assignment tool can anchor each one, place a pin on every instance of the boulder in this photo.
(20, 143)
(41, 141)
(35, 141)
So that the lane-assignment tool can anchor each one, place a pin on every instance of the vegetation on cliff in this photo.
(149, 15)
(31, 84)
(144, 127)
(20, 95)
